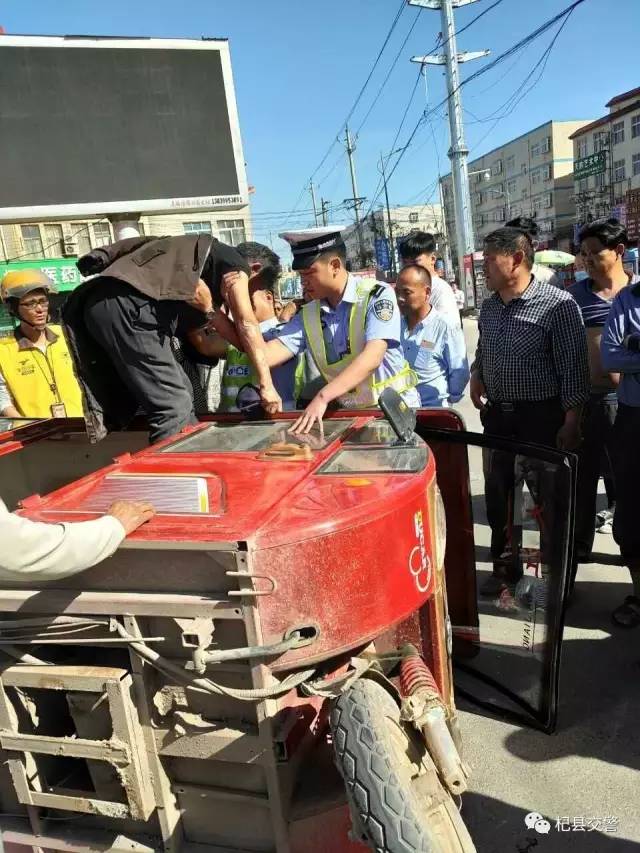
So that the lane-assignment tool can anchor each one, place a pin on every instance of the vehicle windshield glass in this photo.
(8, 424)
(251, 437)
(378, 460)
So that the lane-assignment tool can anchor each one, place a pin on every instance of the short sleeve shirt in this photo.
(382, 324)
(443, 299)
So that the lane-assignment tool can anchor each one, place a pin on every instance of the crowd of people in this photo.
(156, 318)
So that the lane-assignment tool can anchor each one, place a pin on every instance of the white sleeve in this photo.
(5, 396)
(34, 551)
(443, 298)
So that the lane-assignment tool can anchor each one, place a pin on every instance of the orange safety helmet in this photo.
(17, 283)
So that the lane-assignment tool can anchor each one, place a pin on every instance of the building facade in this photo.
(532, 176)
(607, 157)
(404, 220)
(34, 240)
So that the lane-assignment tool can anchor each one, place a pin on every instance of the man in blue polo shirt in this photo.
(620, 352)
(602, 245)
(433, 346)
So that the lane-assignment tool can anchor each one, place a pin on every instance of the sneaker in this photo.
(604, 521)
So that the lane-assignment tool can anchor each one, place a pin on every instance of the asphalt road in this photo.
(588, 771)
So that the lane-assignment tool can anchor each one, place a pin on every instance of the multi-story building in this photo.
(531, 175)
(33, 240)
(607, 156)
(404, 219)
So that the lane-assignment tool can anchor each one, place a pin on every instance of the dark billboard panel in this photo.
(96, 126)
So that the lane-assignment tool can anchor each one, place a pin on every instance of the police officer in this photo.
(36, 370)
(350, 327)
(143, 292)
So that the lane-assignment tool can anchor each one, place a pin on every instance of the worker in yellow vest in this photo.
(36, 370)
(350, 327)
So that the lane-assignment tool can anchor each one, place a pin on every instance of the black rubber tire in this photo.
(397, 801)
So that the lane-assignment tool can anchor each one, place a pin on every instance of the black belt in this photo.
(509, 407)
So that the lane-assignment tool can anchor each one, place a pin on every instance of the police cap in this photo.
(309, 244)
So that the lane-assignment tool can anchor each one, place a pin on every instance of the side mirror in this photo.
(401, 417)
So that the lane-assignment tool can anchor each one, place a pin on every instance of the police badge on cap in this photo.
(309, 244)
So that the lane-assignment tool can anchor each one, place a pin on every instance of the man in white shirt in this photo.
(33, 551)
(420, 248)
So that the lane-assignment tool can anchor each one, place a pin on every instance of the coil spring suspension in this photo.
(415, 674)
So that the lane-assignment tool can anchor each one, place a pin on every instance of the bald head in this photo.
(413, 290)
(415, 274)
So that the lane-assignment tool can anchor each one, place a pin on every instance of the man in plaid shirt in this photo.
(530, 377)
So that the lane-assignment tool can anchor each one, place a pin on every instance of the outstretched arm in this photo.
(360, 368)
(235, 291)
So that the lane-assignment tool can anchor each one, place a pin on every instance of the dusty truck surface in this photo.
(267, 664)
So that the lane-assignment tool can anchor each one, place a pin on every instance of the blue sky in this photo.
(299, 65)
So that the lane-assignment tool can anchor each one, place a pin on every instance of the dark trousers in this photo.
(626, 472)
(135, 333)
(536, 422)
(594, 461)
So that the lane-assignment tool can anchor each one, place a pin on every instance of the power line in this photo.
(485, 69)
(324, 159)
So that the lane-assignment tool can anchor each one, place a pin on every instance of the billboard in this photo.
(98, 126)
(594, 164)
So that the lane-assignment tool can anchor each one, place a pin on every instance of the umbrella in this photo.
(553, 256)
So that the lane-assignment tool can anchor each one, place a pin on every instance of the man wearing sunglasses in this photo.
(36, 371)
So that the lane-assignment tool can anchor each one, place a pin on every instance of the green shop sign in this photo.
(595, 164)
(62, 272)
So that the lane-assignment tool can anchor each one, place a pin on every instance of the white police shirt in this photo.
(382, 324)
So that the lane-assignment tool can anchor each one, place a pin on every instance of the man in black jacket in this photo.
(120, 323)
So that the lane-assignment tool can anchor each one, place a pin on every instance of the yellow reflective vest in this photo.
(367, 393)
(36, 380)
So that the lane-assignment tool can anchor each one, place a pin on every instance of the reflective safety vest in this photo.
(38, 381)
(239, 371)
(367, 393)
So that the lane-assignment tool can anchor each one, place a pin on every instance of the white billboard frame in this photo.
(57, 212)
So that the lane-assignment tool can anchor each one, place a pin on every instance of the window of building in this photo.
(523, 168)
(635, 164)
(101, 234)
(619, 172)
(535, 149)
(479, 199)
(635, 126)
(80, 233)
(537, 202)
(600, 141)
(547, 200)
(581, 148)
(583, 185)
(511, 187)
(445, 190)
(32, 240)
(525, 192)
(510, 163)
(536, 176)
(547, 172)
(413, 217)
(496, 168)
(498, 215)
(545, 145)
(599, 181)
(53, 241)
(231, 231)
(617, 132)
(197, 228)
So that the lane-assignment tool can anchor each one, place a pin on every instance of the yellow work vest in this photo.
(367, 393)
(37, 381)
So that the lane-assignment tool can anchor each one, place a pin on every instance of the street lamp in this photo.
(486, 173)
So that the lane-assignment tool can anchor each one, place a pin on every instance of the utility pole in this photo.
(458, 150)
(356, 200)
(324, 205)
(313, 201)
(392, 253)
